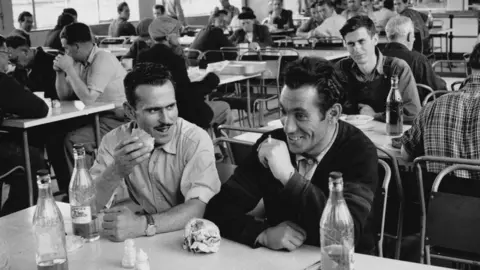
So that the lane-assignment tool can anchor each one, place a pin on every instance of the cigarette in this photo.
(269, 140)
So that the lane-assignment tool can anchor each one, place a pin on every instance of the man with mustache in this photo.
(170, 182)
(289, 168)
(368, 73)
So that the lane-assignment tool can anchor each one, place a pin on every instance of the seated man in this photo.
(230, 10)
(384, 14)
(212, 37)
(449, 126)
(290, 170)
(400, 34)
(158, 10)
(401, 7)
(34, 66)
(354, 8)
(190, 95)
(279, 17)
(91, 75)
(25, 21)
(172, 182)
(258, 36)
(120, 26)
(53, 37)
(315, 20)
(332, 21)
(368, 73)
(143, 41)
(15, 99)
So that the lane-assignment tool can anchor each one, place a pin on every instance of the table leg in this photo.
(28, 168)
(249, 109)
(97, 129)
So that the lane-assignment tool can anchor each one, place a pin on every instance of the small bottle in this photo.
(394, 112)
(82, 198)
(336, 229)
(430, 20)
(48, 227)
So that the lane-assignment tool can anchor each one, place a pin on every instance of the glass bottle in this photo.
(48, 227)
(336, 229)
(394, 112)
(82, 198)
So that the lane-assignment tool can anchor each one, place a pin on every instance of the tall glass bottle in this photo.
(336, 229)
(48, 227)
(82, 198)
(394, 112)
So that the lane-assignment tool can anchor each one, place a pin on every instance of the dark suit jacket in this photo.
(190, 95)
(419, 64)
(301, 201)
(261, 35)
(286, 18)
(210, 38)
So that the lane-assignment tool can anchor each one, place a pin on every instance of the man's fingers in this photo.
(114, 210)
(296, 240)
(297, 228)
(141, 158)
(139, 153)
(287, 244)
(108, 225)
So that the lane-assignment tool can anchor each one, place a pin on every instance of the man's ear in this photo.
(129, 111)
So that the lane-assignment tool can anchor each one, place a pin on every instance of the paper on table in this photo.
(79, 104)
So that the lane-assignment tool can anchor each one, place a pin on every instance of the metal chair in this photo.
(238, 150)
(417, 163)
(113, 41)
(450, 226)
(423, 91)
(4, 176)
(192, 56)
(397, 236)
(385, 185)
(434, 95)
(321, 42)
(450, 64)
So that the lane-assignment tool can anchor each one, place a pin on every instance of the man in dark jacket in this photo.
(255, 34)
(15, 99)
(290, 169)
(400, 34)
(34, 67)
(190, 95)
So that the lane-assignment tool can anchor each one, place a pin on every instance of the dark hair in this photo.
(326, 2)
(247, 10)
(145, 73)
(388, 4)
(121, 6)
(474, 60)
(63, 20)
(356, 23)
(161, 7)
(2, 41)
(246, 16)
(405, 1)
(319, 73)
(15, 41)
(23, 15)
(70, 11)
(76, 32)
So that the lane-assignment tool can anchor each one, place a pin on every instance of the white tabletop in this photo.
(196, 75)
(327, 54)
(186, 40)
(375, 131)
(67, 110)
(118, 51)
(165, 252)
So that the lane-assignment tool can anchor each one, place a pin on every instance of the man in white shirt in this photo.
(173, 8)
(332, 24)
(384, 14)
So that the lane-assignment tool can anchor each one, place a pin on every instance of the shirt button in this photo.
(310, 162)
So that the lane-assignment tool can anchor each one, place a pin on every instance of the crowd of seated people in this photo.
(287, 168)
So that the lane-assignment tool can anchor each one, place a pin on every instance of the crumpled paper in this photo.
(201, 236)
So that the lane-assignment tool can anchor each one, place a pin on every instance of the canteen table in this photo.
(165, 252)
(66, 111)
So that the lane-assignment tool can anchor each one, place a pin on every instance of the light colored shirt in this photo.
(176, 172)
(307, 166)
(173, 8)
(382, 16)
(231, 10)
(102, 73)
(330, 27)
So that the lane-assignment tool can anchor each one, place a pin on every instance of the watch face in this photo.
(151, 230)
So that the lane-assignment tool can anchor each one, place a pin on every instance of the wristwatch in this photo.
(151, 228)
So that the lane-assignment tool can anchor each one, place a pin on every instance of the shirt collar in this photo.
(320, 156)
(171, 146)
(378, 66)
(91, 55)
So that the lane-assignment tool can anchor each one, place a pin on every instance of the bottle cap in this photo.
(42, 173)
(78, 146)
(336, 175)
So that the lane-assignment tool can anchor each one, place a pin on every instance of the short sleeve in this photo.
(412, 139)
(200, 177)
(101, 72)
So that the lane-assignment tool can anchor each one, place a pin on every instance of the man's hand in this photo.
(121, 223)
(254, 46)
(274, 154)
(286, 235)
(63, 62)
(366, 110)
(128, 154)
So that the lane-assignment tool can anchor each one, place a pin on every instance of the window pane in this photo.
(47, 12)
(18, 7)
(205, 7)
(87, 10)
(108, 9)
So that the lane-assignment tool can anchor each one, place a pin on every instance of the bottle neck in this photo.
(45, 191)
(336, 191)
(80, 162)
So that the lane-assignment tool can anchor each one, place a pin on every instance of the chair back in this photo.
(192, 56)
(272, 58)
(113, 41)
(453, 221)
(423, 91)
(212, 56)
(387, 174)
(434, 95)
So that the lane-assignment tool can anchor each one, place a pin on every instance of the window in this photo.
(193, 8)
(46, 12)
